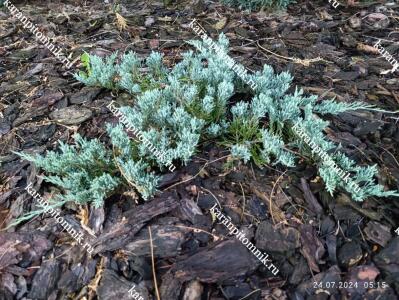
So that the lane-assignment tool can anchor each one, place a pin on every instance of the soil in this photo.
(171, 247)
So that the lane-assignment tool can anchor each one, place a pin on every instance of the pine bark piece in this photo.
(217, 263)
(124, 231)
(78, 276)
(171, 287)
(312, 247)
(15, 247)
(8, 288)
(71, 115)
(86, 94)
(331, 242)
(310, 198)
(350, 254)
(45, 280)
(114, 287)
(276, 239)
(377, 233)
(48, 99)
(193, 291)
(166, 239)
(9, 251)
(188, 210)
(388, 258)
(96, 219)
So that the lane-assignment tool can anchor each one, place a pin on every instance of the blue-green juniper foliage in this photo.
(179, 108)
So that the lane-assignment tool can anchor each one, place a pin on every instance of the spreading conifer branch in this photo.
(176, 109)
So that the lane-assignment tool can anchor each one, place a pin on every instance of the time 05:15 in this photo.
(349, 284)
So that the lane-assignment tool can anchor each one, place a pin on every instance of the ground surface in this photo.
(311, 236)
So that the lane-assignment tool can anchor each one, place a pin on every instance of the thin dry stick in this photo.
(199, 230)
(60, 255)
(304, 62)
(243, 206)
(153, 264)
(246, 296)
(271, 195)
(199, 172)
(358, 227)
(393, 157)
(213, 196)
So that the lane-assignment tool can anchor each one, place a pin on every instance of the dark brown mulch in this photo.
(312, 237)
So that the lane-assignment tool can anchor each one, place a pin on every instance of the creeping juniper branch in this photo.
(176, 109)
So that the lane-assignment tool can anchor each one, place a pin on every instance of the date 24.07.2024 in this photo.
(349, 285)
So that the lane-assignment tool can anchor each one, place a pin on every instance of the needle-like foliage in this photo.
(177, 109)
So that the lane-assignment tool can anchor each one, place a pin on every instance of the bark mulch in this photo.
(318, 242)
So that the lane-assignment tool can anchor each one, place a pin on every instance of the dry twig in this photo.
(153, 264)
(304, 62)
